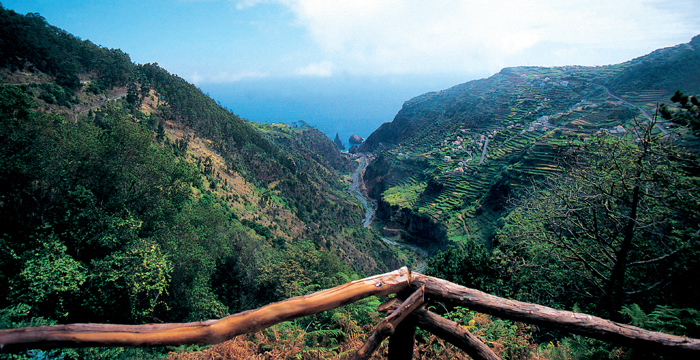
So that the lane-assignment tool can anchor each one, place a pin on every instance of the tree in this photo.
(620, 225)
(687, 115)
(466, 263)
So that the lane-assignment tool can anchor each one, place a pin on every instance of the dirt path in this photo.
(644, 112)
(483, 152)
(120, 93)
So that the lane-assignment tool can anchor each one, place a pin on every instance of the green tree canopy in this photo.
(621, 225)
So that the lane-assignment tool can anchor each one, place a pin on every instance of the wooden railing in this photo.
(413, 291)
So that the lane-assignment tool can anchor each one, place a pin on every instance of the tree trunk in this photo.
(615, 292)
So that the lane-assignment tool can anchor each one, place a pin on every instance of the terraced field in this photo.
(528, 115)
(526, 154)
(405, 193)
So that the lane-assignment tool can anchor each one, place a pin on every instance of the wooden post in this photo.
(402, 341)
(206, 332)
(387, 326)
(576, 323)
(446, 329)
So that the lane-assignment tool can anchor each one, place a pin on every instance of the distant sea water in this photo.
(333, 105)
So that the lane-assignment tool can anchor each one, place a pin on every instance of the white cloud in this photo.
(322, 69)
(416, 36)
(225, 77)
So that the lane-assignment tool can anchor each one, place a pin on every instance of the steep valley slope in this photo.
(449, 161)
(128, 195)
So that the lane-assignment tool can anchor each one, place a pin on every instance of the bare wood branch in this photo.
(206, 332)
(448, 330)
(387, 326)
(581, 324)
(660, 258)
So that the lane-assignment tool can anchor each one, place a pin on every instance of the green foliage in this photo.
(18, 315)
(610, 227)
(200, 239)
(49, 275)
(687, 115)
(682, 322)
(297, 271)
(88, 220)
(140, 271)
(579, 347)
(467, 263)
(29, 41)
(510, 339)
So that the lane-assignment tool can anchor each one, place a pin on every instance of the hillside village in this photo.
(548, 109)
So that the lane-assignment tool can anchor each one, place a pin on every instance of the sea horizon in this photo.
(343, 105)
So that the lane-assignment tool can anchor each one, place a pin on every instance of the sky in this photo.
(348, 65)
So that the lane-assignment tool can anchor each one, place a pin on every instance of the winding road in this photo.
(357, 191)
(483, 152)
(644, 112)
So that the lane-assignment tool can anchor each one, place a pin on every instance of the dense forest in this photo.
(129, 196)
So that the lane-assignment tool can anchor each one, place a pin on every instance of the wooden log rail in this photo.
(415, 288)
(203, 332)
(582, 324)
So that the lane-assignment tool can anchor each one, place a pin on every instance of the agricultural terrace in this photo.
(550, 108)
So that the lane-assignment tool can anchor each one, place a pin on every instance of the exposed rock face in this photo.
(356, 140)
(324, 151)
(337, 141)
(418, 228)
(353, 149)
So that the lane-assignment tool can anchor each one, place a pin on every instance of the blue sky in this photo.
(267, 58)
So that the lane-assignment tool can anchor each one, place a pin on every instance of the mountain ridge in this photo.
(456, 155)
(129, 192)
(441, 106)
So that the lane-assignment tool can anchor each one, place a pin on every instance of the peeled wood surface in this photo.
(387, 326)
(581, 324)
(448, 330)
(203, 332)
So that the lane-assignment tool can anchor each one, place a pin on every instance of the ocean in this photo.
(343, 105)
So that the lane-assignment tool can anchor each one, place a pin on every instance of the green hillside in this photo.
(480, 142)
(128, 195)
(556, 186)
